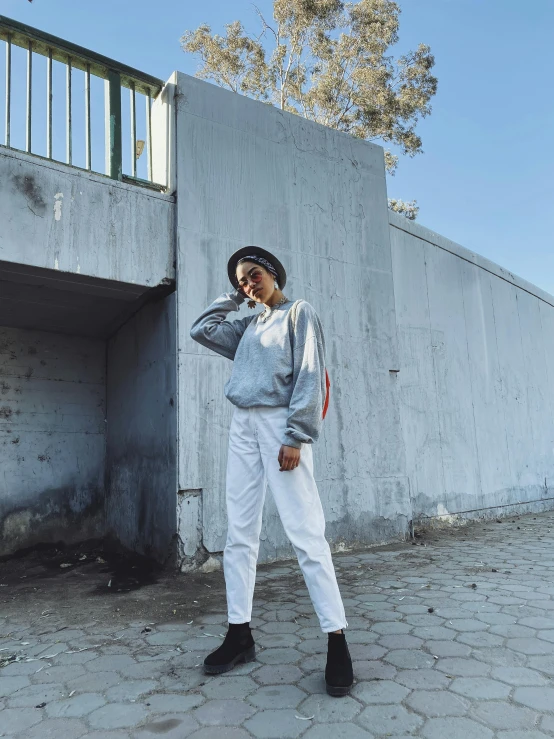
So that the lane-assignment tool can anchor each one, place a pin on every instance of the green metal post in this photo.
(112, 95)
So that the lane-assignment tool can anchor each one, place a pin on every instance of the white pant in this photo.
(255, 438)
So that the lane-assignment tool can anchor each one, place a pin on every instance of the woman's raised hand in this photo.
(289, 458)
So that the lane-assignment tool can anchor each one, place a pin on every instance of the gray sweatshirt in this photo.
(275, 364)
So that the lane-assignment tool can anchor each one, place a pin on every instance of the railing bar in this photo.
(28, 140)
(133, 130)
(8, 87)
(88, 162)
(69, 133)
(49, 105)
(149, 132)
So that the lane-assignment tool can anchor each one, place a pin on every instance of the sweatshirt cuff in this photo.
(290, 440)
(238, 297)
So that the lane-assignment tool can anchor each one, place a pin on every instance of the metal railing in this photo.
(115, 75)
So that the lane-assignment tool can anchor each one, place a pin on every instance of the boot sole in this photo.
(248, 656)
(336, 691)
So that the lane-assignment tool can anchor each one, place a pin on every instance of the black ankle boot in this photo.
(238, 646)
(338, 672)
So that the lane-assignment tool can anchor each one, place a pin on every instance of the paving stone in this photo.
(275, 724)
(448, 649)
(513, 631)
(518, 676)
(75, 707)
(548, 724)
(391, 627)
(280, 640)
(538, 622)
(501, 715)
(280, 628)
(172, 702)
(111, 663)
(428, 679)
(382, 691)
(129, 690)
(228, 686)
(95, 682)
(313, 683)
(455, 728)
(65, 673)
(117, 716)
(57, 728)
(170, 726)
(314, 646)
(340, 731)
(389, 719)
(279, 656)
(463, 667)
(435, 633)
(223, 712)
(223, 732)
(437, 703)
(164, 638)
(32, 695)
(543, 664)
(466, 624)
(277, 696)
(277, 674)
(409, 658)
(400, 641)
(373, 670)
(14, 720)
(481, 639)
(542, 699)
(327, 710)
(530, 646)
(368, 652)
(480, 688)
(10, 685)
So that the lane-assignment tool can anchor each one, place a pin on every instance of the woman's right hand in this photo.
(289, 458)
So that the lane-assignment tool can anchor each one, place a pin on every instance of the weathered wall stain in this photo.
(52, 438)
(28, 186)
(65, 514)
(141, 476)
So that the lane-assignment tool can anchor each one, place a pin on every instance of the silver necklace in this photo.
(268, 311)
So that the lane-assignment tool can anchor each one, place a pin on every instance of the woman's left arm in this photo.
(306, 404)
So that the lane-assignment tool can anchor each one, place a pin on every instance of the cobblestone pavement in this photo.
(452, 639)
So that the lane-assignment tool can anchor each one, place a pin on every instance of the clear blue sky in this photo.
(486, 177)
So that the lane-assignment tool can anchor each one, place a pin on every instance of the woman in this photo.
(278, 386)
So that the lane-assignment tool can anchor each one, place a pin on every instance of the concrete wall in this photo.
(52, 438)
(477, 368)
(62, 218)
(251, 174)
(141, 490)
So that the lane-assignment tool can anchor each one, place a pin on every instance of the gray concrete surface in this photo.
(62, 218)
(452, 638)
(141, 480)
(52, 437)
(249, 173)
(476, 358)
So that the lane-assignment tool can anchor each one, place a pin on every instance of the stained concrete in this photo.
(58, 217)
(141, 479)
(52, 438)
